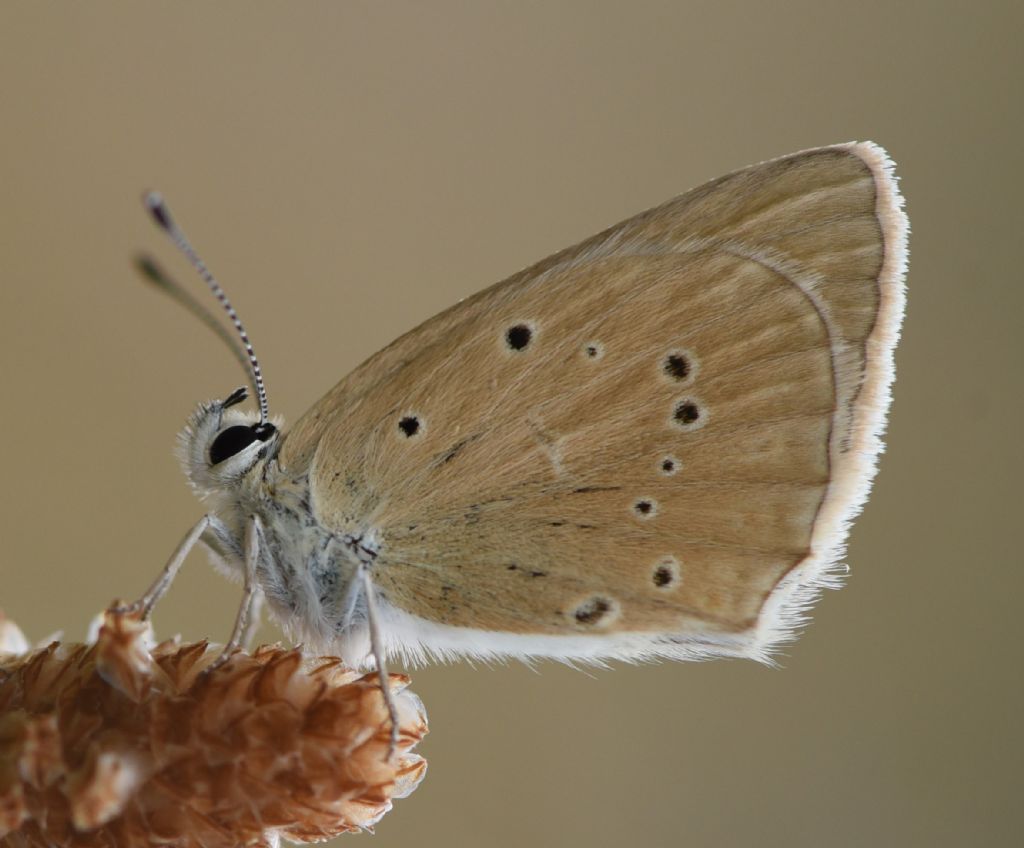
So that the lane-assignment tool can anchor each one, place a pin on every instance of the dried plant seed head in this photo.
(121, 743)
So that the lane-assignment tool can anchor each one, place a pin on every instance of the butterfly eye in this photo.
(231, 441)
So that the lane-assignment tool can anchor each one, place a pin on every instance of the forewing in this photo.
(663, 430)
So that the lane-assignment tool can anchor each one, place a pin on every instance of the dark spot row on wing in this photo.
(678, 367)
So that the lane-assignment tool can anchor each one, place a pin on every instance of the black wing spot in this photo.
(518, 336)
(593, 350)
(669, 465)
(645, 508)
(679, 366)
(595, 611)
(688, 415)
(676, 366)
(687, 412)
(666, 573)
(409, 425)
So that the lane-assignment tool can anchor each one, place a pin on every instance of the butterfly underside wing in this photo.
(649, 444)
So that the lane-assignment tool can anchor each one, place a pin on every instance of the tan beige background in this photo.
(351, 168)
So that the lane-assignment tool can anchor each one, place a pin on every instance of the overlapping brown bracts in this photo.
(121, 744)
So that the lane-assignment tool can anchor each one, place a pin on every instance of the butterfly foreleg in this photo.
(254, 618)
(144, 605)
(241, 633)
(225, 546)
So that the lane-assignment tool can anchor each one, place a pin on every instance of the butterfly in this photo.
(648, 445)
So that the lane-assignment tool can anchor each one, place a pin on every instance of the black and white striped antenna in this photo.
(162, 215)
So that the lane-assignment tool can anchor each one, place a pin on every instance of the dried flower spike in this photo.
(121, 744)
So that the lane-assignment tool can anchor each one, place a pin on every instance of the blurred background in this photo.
(349, 169)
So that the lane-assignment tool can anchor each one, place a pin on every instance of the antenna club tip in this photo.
(235, 398)
(147, 266)
(154, 202)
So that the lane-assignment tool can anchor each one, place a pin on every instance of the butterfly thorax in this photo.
(305, 569)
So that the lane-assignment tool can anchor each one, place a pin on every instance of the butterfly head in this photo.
(220, 444)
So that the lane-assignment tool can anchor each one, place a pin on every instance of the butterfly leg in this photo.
(254, 618)
(352, 596)
(377, 647)
(154, 593)
(240, 632)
